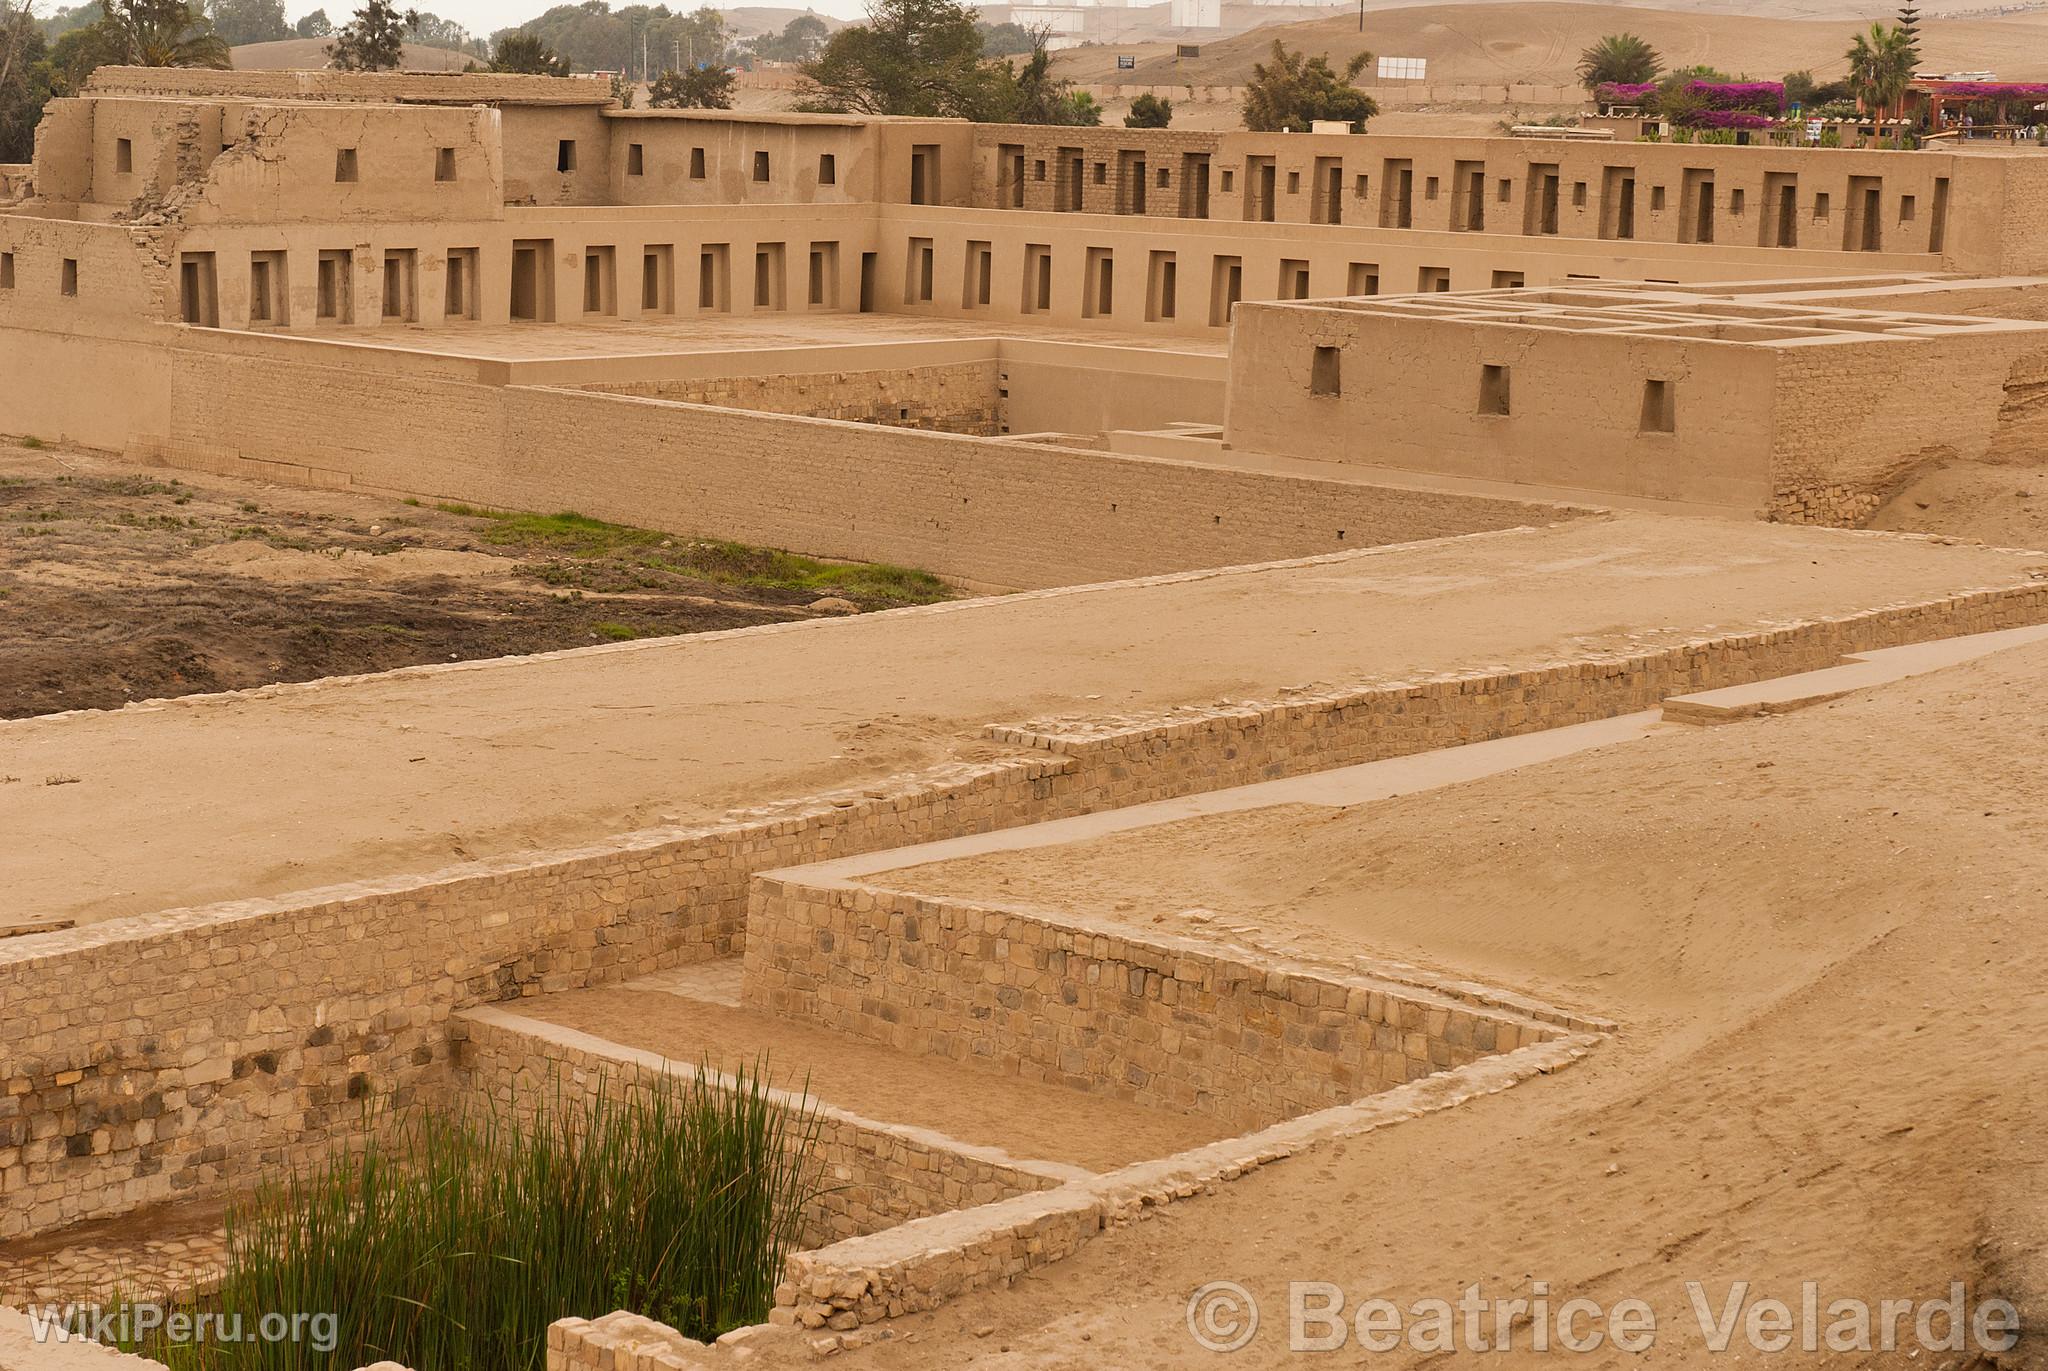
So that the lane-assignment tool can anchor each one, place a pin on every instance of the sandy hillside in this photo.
(2005, 506)
(1539, 43)
(1822, 936)
(310, 54)
(749, 20)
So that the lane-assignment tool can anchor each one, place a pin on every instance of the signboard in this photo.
(1187, 50)
(1404, 68)
(1125, 62)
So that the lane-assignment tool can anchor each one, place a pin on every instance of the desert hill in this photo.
(748, 20)
(1537, 43)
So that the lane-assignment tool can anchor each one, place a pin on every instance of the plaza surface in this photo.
(1819, 936)
(213, 798)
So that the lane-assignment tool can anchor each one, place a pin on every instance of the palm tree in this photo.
(160, 33)
(1619, 59)
(1881, 67)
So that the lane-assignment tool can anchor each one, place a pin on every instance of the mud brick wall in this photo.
(1168, 1021)
(1851, 424)
(1184, 751)
(871, 1175)
(166, 1055)
(996, 514)
(956, 398)
(170, 1055)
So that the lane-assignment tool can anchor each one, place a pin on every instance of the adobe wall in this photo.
(1853, 422)
(275, 163)
(695, 157)
(959, 397)
(871, 1175)
(158, 1056)
(1340, 260)
(1989, 223)
(58, 351)
(1165, 1021)
(1409, 396)
(1845, 423)
(443, 88)
(993, 513)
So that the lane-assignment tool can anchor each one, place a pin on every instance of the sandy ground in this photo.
(1534, 42)
(2005, 506)
(1026, 1119)
(1822, 936)
(211, 798)
(122, 583)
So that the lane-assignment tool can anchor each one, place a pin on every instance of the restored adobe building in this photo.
(253, 251)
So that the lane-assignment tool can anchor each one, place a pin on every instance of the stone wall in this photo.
(990, 513)
(1851, 424)
(164, 1055)
(960, 397)
(871, 1175)
(1167, 1021)
(1968, 214)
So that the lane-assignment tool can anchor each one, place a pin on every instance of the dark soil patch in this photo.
(117, 586)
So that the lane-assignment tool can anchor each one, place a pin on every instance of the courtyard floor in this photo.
(219, 797)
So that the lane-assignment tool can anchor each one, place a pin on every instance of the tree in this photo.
(314, 25)
(912, 57)
(705, 87)
(522, 52)
(373, 41)
(425, 26)
(158, 33)
(1148, 111)
(1035, 96)
(1881, 67)
(1294, 92)
(24, 81)
(801, 39)
(1620, 59)
(1006, 39)
(248, 21)
(1909, 24)
(595, 38)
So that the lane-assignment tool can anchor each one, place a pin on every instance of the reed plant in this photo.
(449, 1242)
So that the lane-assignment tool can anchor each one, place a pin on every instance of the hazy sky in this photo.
(488, 16)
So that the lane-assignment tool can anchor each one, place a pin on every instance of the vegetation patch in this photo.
(620, 556)
(455, 1242)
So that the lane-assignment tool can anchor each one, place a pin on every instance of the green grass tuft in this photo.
(617, 632)
(455, 1243)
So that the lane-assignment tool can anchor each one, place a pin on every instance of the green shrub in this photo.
(455, 1242)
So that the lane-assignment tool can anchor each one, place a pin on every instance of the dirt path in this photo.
(1823, 936)
(119, 583)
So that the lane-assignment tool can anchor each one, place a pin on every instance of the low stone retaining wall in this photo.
(874, 1175)
(1178, 752)
(1166, 1020)
(161, 1056)
(836, 1294)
